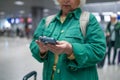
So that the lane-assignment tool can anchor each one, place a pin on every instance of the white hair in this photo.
(113, 15)
(82, 2)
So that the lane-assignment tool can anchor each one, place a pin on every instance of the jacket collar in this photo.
(75, 13)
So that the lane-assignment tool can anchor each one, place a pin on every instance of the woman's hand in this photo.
(60, 47)
(43, 48)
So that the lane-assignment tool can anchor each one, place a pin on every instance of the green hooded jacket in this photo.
(88, 50)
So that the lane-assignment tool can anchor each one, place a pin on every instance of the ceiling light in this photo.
(2, 13)
(118, 13)
(106, 18)
(22, 12)
(46, 10)
(95, 13)
(107, 13)
(20, 3)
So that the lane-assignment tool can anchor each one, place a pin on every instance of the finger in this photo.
(40, 43)
(55, 50)
(44, 47)
(50, 46)
(37, 41)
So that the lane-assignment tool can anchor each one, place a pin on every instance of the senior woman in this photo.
(73, 57)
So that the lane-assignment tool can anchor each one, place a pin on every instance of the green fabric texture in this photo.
(117, 35)
(88, 51)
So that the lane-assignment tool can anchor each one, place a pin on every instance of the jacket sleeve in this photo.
(117, 26)
(93, 50)
(33, 45)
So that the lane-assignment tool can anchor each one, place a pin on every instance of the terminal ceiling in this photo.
(8, 7)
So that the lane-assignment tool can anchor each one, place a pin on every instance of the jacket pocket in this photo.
(74, 36)
(46, 32)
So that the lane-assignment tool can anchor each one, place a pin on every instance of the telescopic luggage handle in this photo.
(30, 74)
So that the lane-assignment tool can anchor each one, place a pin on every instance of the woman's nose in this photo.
(66, 1)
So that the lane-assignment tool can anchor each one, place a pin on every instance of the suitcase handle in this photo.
(30, 74)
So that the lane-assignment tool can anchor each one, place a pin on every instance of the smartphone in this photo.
(47, 40)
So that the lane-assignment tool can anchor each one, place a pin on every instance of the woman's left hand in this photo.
(60, 47)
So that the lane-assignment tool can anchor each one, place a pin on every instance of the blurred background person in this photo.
(112, 37)
(117, 43)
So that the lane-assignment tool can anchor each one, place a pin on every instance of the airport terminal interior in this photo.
(18, 21)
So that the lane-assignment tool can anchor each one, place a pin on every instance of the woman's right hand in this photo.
(43, 48)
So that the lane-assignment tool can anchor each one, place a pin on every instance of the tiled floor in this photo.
(16, 61)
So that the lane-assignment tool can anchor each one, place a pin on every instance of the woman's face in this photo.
(69, 5)
(113, 19)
